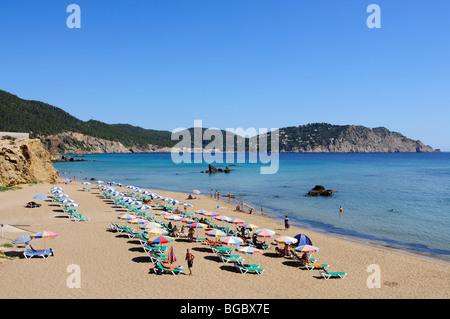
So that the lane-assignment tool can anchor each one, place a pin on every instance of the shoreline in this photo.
(93, 246)
(355, 239)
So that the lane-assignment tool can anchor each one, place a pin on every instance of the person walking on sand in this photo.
(286, 223)
(190, 260)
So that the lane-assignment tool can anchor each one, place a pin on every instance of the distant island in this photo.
(62, 133)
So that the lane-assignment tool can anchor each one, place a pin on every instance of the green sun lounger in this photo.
(229, 258)
(327, 275)
(160, 269)
(245, 268)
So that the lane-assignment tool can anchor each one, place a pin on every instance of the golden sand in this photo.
(111, 265)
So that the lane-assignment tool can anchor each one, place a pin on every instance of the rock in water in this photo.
(319, 190)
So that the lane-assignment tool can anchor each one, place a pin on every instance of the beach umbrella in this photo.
(163, 213)
(57, 188)
(150, 225)
(170, 256)
(40, 196)
(72, 205)
(86, 183)
(126, 216)
(24, 239)
(286, 240)
(67, 201)
(211, 214)
(250, 226)
(58, 191)
(231, 240)
(216, 233)
(248, 250)
(173, 217)
(186, 204)
(144, 207)
(44, 234)
(264, 233)
(159, 240)
(306, 249)
(100, 182)
(137, 221)
(156, 231)
(223, 218)
(201, 212)
(197, 225)
(236, 221)
(185, 220)
(136, 202)
(195, 191)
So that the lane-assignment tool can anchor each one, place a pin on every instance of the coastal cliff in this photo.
(23, 161)
(327, 138)
(77, 143)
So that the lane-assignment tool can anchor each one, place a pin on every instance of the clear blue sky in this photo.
(250, 63)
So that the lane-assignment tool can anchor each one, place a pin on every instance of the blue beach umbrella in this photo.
(40, 196)
(144, 207)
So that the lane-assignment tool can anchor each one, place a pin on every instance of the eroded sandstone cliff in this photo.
(23, 161)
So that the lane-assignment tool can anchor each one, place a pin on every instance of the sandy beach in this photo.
(111, 265)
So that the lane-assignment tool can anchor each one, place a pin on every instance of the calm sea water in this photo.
(415, 185)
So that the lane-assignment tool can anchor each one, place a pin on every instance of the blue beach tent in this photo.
(302, 239)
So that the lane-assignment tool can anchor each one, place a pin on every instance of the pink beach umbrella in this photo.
(237, 221)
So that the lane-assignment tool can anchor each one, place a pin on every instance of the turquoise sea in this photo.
(416, 186)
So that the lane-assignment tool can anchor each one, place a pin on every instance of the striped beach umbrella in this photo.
(185, 220)
(73, 205)
(138, 221)
(201, 212)
(231, 240)
(197, 225)
(60, 194)
(250, 226)
(163, 213)
(216, 233)
(159, 240)
(211, 214)
(44, 234)
(223, 218)
(126, 216)
(156, 231)
(248, 250)
(306, 249)
(170, 256)
(173, 217)
(150, 225)
(237, 221)
(266, 233)
(67, 201)
(286, 240)
(142, 207)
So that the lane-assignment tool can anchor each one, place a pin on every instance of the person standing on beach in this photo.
(211, 193)
(286, 223)
(218, 196)
(190, 260)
